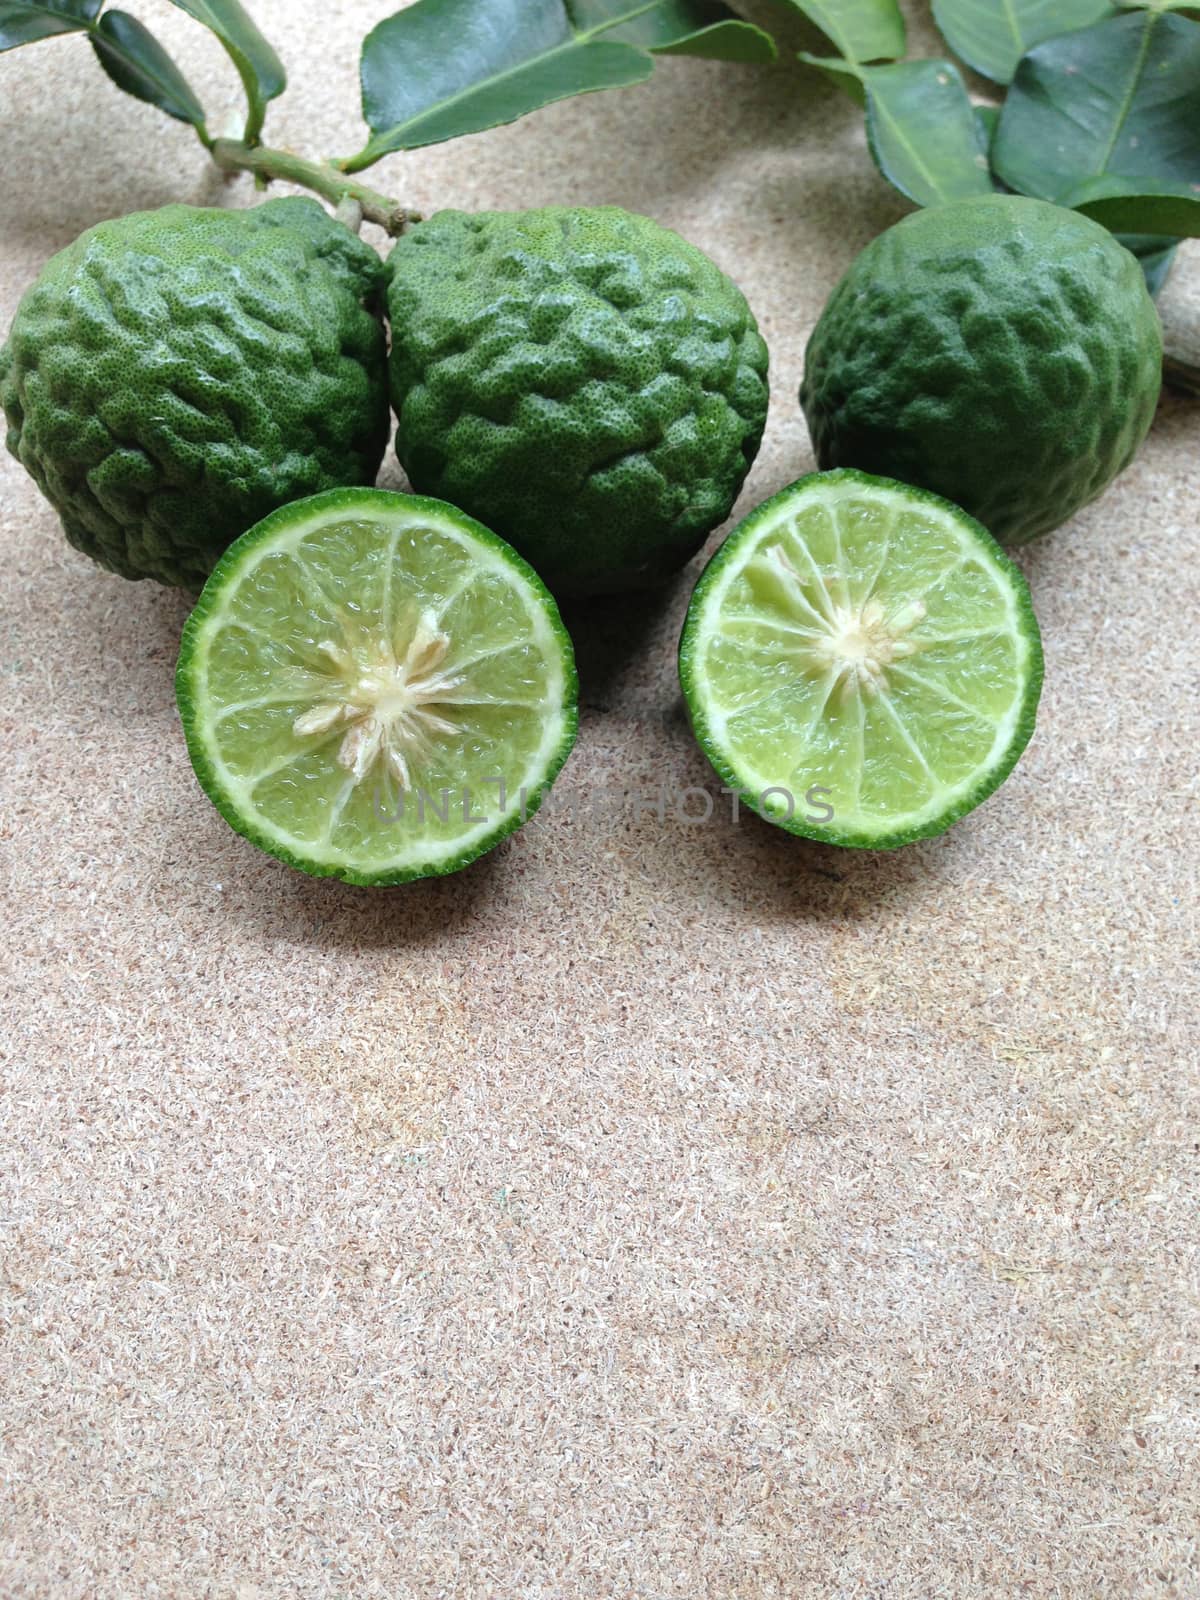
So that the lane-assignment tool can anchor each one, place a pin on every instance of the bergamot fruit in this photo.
(999, 351)
(375, 688)
(582, 380)
(861, 661)
(175, 375)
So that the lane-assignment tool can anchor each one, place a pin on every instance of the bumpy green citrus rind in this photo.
(999, 351)
(193, 709)
(173, 376)
(740, 781)
(583, 379)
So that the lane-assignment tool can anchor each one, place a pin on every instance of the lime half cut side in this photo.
(861, 661)
(375, 688)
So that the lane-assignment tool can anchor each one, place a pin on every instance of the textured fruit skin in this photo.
(582, 380)
(999, 351)
(175, 375)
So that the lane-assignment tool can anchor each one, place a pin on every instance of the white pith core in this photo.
(856, 643)
(386, 697)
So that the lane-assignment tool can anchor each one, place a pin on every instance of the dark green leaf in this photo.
(921, 127)
(442, 68)
(1156, 255)
(1117, 100)
(993, 35)
(673, 27)
(446, 67)
(844, 75)
(260, 69)
(24, 21)
(724, 41)
(987, 120)
(137, 63)
(1136, 205)
(860, 30)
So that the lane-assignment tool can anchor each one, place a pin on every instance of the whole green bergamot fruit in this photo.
(175, 375)
(583, 381)
(1000, 351)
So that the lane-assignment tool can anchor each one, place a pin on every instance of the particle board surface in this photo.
(660, 1208)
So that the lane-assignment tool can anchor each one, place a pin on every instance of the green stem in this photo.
(235, 155)
(256, 110)
(366, 157)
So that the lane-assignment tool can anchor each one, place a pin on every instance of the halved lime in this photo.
(861, 661)
(375, 688)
